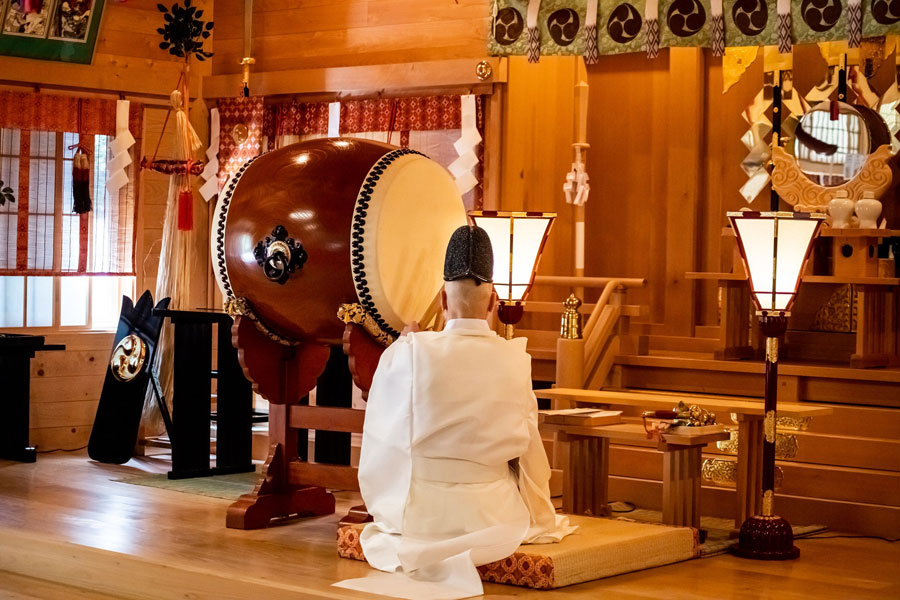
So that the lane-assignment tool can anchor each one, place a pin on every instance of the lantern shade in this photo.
(774, 246)
(517, 239)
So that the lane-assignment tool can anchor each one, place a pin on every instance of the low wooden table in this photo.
(750, 414)
(16, 352)
(586, 479)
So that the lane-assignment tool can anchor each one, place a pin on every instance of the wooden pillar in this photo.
(586, 480)
(734, 321)
(877, 327)
(686, 84)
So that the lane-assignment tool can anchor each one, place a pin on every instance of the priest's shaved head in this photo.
(467, 299)
(452, 467)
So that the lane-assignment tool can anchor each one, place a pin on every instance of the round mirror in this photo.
(831, 146)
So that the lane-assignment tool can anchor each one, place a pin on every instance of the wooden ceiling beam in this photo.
(456, 73)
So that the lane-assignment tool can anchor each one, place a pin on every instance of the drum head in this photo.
(404, 216)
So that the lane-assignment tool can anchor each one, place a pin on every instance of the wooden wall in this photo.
(664, 167)
(65, 389)
(303, 34)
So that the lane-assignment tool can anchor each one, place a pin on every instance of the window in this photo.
(64, 270)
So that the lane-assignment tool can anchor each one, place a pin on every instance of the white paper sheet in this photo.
(334, 119)
(210, 171)
(115, 166)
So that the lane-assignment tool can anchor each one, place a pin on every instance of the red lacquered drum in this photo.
(306, 228)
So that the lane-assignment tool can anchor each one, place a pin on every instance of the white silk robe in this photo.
(452, 467)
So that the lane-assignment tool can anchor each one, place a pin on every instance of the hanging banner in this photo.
(685, 23)
(751, 23)
(818, 21)
(879, 17)
(622, 27)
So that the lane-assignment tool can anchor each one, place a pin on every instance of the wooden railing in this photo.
(586, 363)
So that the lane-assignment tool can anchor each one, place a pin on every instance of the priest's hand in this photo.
(410, 327)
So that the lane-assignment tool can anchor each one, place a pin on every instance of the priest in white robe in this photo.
(452, 467)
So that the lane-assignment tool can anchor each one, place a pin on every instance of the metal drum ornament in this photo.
(302, 230)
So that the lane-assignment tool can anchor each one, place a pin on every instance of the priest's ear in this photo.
(444, 300)
(493, 302)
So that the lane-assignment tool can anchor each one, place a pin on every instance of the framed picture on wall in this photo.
(64, 30)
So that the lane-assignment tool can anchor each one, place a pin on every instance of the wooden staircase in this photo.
(846, 470)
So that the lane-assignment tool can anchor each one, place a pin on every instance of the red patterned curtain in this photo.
(239, 112)
(422, 113)
(398, 115)
(39, 233)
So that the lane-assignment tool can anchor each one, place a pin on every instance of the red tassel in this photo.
(835, 110)
(185, 210)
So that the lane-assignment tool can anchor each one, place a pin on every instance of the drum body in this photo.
(364, 222)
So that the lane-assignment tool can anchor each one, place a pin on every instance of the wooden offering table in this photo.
(16, 352)
(750, 415)
(585, 487)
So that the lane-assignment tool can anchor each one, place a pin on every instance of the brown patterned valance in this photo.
(46, 112)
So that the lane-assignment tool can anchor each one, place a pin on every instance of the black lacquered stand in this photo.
(191, 402)
(16, 352)
(768, 536)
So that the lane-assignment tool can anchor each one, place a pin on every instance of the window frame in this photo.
(126, 283)
(126, 288)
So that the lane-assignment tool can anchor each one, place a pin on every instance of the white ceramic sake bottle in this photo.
(868, 209)
(841, 209)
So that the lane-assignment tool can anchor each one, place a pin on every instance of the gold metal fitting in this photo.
(772, 349)
(768, 503)
(769, 426)
(570, 328)
(483, 70)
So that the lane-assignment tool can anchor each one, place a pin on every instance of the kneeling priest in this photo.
(452, 466)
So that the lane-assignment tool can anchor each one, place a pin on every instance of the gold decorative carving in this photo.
(355, 313)
(239, 307)
(768, 503)
(128, 358)
(786, 445)
(722, 472)
(800, 192)
(769, 426)
(839, 312)
(793, 423)
(729, 446)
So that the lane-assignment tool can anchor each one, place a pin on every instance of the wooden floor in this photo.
(68, 531)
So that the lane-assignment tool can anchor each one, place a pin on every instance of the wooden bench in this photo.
(585, 482)
(749, 415)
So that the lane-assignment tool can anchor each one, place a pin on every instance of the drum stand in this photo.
(283, 375)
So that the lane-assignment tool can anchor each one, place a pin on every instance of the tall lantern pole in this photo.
(774, 247)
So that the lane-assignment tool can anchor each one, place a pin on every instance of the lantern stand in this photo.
(768, 536)
(775, 247)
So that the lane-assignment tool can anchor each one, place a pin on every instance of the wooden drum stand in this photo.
(283, 375)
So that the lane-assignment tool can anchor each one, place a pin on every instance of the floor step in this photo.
(855, 517)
